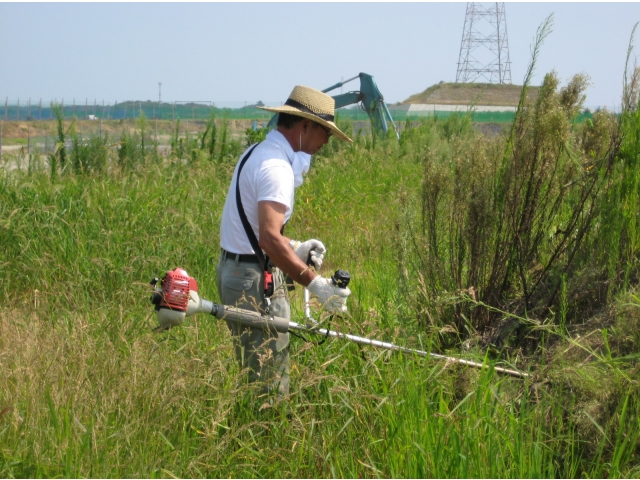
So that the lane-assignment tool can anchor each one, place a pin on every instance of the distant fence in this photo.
(124, 110)
(184, 110)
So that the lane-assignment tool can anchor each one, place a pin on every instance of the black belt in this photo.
(241, 257)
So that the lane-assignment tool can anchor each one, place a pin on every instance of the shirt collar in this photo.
(276, 137)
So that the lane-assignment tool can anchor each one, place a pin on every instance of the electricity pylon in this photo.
(484, 51)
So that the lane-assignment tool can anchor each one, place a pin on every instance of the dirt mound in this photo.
(477, 93)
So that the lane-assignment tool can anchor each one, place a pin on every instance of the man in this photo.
(269, 174)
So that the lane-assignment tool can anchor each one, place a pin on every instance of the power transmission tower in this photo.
(484, 51)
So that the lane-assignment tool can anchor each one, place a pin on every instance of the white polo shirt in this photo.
(267, 175)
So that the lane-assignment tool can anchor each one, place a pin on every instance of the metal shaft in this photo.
(391, 346)
(255, 320)
(307, 307)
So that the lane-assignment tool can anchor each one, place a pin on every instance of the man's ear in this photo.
(305, 125)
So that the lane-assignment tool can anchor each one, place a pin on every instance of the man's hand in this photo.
(333, 299)
(311, 250)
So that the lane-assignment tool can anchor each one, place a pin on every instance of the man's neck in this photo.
(293, 137)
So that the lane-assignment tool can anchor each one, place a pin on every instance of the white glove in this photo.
(310, 250)
(333, 299)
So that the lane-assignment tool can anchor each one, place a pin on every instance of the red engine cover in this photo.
(176, 285)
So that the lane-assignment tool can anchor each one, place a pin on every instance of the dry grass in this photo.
(75, 382)
(596, 366)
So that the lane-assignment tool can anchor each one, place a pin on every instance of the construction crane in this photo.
(370, 99)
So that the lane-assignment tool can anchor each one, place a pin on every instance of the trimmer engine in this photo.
(172, 298)
(177, 298)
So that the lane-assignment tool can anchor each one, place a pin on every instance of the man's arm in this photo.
(276, 246)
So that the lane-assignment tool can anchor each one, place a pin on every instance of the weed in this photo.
(252, 136)
(224, 140)
(208, 139)
(60, 152)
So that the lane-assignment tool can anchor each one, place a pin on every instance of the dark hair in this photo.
(287, 120)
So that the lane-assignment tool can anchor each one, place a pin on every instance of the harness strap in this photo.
(253, 240)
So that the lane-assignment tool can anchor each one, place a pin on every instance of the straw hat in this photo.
(310, 103)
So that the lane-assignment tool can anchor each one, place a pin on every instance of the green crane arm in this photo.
(370, 97)
(372, 102)
(349, 98)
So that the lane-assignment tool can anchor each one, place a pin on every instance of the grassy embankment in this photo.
(491, 94)
(449, 236)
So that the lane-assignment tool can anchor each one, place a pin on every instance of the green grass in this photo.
(87, 389)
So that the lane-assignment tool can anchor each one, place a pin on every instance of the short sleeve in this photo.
(275, 182)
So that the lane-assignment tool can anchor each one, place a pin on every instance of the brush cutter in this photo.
(177, 298)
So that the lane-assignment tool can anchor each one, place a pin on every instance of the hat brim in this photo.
(294, 111)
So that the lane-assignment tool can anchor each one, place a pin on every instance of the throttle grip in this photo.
(341, 278)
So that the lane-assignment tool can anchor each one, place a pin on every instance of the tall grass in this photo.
(619, 243)
(89, 390)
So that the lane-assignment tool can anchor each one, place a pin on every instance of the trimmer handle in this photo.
(341, 278)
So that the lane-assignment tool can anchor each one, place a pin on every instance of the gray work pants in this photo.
(265, 354)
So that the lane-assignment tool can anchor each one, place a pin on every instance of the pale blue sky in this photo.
(236, 52)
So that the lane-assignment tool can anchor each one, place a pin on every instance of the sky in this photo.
(231, 53)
